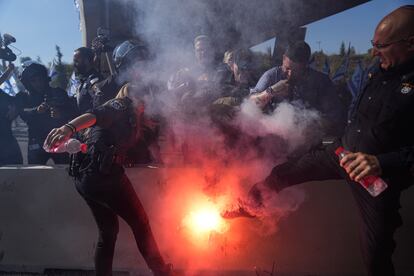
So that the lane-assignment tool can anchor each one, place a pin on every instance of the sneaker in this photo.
(237, 211)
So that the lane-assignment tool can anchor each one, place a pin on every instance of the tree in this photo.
(61, 79)
(352, 50)
(342, 50)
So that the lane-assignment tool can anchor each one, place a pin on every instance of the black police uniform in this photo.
(86, 93)
(106, 89)
(102, 182)
(146, 149)
(10, 151)
(40, 124)
(381, 125)
(94, 91)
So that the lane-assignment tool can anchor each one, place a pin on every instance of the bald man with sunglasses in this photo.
(380, 139)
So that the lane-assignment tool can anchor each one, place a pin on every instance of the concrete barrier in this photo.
(44, 223)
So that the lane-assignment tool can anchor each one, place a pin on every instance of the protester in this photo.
(10, 151)
(238, 62)
(294, 81)
(7, 73)
(42, 108)
(199, 85)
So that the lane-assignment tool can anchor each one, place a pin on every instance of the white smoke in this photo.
(293, 122)
(262, 141)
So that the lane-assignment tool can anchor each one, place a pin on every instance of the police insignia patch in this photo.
(406, 88)
(118, 105)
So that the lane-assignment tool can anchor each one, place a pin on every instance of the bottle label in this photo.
(373, 184)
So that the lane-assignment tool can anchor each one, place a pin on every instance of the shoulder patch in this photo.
(118, 104)
(406, 88)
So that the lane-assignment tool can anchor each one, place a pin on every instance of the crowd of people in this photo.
(112, 118)
(207, 88)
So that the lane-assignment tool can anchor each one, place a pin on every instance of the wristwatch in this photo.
(270, 91)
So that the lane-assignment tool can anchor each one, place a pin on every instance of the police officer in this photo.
(93, 89)
(87, 94)
(146, 149)
(10, 151)
(112, 130)
(380, 138)
(42, 108)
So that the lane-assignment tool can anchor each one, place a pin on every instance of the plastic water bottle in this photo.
(70, 146)
(373, 184)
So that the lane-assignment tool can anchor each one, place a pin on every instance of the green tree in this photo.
(352, 50)
(342, 50)
(61, 79)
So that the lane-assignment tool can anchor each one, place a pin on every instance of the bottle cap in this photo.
(339, 150)
(84, 148)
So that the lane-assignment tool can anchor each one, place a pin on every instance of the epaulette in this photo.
(407, 83)
(406, 87)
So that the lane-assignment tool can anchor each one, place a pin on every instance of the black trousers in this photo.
(109, 196)
(378, 216)
(10, 153)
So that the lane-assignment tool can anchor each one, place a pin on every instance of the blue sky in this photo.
(355, 25)
(39, 25)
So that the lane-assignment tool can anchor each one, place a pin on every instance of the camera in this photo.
(100, 42)
(5, 52)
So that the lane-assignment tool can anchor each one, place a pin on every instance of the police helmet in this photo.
(128, 52)
(31, 69)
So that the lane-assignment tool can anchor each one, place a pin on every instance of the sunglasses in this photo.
(380, 46)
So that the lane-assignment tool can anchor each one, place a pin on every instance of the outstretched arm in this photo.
(62, 134)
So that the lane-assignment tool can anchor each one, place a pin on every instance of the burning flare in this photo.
(204, 219)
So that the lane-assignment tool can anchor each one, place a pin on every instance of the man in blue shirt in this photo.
(294, 81)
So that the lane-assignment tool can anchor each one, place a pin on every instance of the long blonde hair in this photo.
(123, 92)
